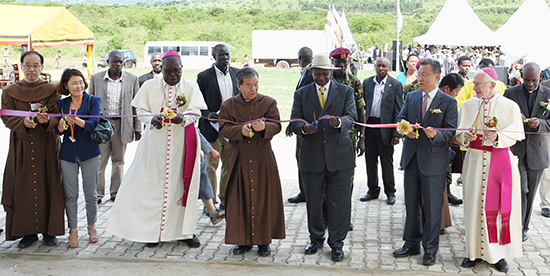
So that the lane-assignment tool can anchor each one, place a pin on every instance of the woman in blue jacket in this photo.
(77, 150)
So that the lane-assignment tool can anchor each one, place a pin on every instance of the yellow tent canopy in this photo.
(42, 27)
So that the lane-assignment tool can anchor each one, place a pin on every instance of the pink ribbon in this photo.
(499, 192)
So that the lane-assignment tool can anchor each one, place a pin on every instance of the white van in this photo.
(194, 54)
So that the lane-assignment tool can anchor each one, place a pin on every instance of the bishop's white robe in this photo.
(146, 207)
(474, 113)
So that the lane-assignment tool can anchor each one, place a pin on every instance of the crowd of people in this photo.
(478, 127)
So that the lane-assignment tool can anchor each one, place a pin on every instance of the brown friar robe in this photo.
(254, 201)
(32, 189)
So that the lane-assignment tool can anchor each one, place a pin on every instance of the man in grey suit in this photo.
(533, 151)
(116, 90)
(425, 161)
(383, 102)
(326, 154)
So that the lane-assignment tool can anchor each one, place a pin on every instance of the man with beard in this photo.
(156, 62)
(384, 99)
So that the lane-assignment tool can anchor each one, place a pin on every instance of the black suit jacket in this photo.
(208, 84)
(145, 77)
(329, 147)
(391, 104)
(307, 79)
(534, 147)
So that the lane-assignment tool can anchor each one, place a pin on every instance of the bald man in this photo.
(533, 151)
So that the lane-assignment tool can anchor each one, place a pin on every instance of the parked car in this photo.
(128, 56)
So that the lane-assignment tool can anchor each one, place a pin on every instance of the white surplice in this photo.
(146, 208)
(474, 113)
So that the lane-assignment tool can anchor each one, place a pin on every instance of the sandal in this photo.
(93, 234)
(73, 238)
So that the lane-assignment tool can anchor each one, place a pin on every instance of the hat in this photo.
(491, 72)
(340, 53)
(170, 53)
(321, 61)
(418, 63)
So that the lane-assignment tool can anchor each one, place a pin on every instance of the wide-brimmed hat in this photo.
(321, 61)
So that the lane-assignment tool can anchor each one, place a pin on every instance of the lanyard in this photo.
(75, 111)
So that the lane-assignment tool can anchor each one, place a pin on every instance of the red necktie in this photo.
(425, 104)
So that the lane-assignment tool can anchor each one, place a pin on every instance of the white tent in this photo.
(526, 33)
(457, 24)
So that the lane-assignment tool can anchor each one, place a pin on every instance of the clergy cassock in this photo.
(148, 205)
(32, 193)
(490, 235)
(254, 203)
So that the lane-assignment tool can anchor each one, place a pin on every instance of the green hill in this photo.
(129, 26)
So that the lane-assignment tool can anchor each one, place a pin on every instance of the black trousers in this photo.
(338, 196)
(374, 148)
(530, 180)
(417, 188)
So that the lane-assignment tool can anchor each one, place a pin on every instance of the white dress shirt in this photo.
(377, 96)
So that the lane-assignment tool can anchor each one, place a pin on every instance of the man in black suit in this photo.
(217, 84)
(425, 160)
(156, 63)
(326, 154)
(533, 151)
(383, 102)
(304, 59)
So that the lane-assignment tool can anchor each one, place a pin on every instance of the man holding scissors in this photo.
(326, 153)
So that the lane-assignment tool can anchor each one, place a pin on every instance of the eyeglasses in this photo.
(28, 66)
(479, 84)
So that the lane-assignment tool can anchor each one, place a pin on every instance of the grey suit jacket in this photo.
(329, 147)
(391, 104)
(535, 147)
(130, 86)
(432, 153)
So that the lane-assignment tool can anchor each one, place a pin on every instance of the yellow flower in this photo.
(168, 113)
(404, 127)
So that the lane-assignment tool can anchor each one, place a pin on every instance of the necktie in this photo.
(322, 97)
(425, 104)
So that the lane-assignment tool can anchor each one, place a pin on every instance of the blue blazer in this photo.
(83, 146)
(432, 154)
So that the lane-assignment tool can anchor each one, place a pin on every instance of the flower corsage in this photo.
(435, 111)
(181, 100)
(546, 106)
(492, 123)
(42, 108)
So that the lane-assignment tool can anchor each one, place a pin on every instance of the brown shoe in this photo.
(93, 234)
(73, 238)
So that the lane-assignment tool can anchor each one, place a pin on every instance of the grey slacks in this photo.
(114, 149)
(90, 172)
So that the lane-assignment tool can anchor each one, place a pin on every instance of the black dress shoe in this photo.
(27, 241)
(264, 250)
(350, 226)
(193, 243)
(453, 200)
(390, 200)
(49, 240)
(524, 235)
(297, 199)
(406, 252)
(337, 254)
(98, 201)
(368, 197)
(113, 198)
(429, 259)
(502, 265)
(241, 249)
(469, 263)
(442, 231)
(545, 213)
(1, 230)
(152, 244)
(313, 247)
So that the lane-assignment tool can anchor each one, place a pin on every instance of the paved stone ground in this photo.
(378, 231)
